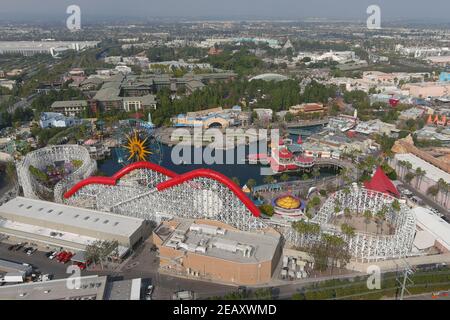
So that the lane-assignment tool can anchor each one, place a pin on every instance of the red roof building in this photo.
(381, 183)
(285, 154)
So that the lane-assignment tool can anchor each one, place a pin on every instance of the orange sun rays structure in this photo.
(136, 148)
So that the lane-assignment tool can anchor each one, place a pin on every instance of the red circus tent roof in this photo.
(285, 154)
(381, 183)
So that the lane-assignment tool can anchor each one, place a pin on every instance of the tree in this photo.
(251, 183)
(348, 230)
(381, 216)
(396, 205)
(268, 179)
(419, 174)
(316, 172)
(307, 228)
(236, 180)
(93, 253)
(267, 209)
(284, 177)
(409, 176)
(367, 217)
(347, 213)
(11, 172)
(315, 201)
(433, 191)
(443, 187)
(330, 251)
(98, 251)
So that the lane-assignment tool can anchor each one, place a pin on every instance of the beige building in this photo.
(307, 108)
(212, 250)
(70, 108)
(65, 226)
(428, 89)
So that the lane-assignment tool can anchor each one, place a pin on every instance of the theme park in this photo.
(257, 156)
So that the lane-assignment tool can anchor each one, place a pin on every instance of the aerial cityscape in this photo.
(224, 153)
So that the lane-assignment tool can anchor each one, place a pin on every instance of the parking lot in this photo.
(142, 264)
(38, 259)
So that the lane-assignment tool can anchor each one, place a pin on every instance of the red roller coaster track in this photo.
(174, 180)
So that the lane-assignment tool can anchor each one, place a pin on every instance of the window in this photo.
(96, 219)
(50, 211)
(76, 216)
(40, 209)
(86, 218)
(29, 207)
(60, 213)
(115, 224)
(21, 205)
(106, 221)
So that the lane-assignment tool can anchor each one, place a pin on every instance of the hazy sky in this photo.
(289, 9)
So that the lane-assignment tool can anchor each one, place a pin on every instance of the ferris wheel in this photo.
(138, 142)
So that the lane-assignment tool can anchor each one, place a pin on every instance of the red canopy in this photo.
(381, 183)
(285, 154)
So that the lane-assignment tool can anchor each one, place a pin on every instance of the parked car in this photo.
(82, 265)
(148, 294)
(184, 295)
(53, 255)
(30, 252)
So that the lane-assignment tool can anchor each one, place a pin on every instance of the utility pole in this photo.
(407, 272)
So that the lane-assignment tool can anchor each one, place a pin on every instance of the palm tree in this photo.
(94, 253)
(396, 205)
(11, 172)
(284, 177)
(433, 191)
(405, 165)
(367, 217)
(236, 180)
(251, 183)
(347, 214)
(419, 174)
(316, 172)
(380, 216)
(348, 230)
(409, 176)
(342, 174)
(268, 179)
(443, 188)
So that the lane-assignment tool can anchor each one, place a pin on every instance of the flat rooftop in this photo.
(226, 246)
(71, 216)
(432, 172)
(123, 290)
(436, 226)
(91, 288)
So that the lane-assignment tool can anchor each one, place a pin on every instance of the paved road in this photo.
(144, 265)
(426, 200)
(427, 296)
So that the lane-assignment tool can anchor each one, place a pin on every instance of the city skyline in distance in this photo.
(170, 10)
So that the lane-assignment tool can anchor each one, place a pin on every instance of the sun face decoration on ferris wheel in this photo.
(138, 141)
(137, 148)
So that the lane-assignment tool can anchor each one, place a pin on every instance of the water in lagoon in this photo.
(242, 171)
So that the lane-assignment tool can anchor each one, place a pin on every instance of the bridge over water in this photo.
(307, 123)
